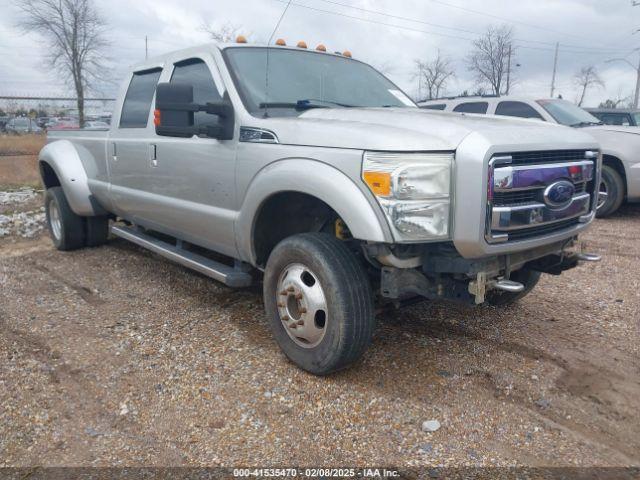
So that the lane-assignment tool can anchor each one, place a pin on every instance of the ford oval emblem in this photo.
(559, 194)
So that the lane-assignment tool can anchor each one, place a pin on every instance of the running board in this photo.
(216, 270)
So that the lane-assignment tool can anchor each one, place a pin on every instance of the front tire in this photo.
(528, 278)
(610, 192)
(65, 227)
(319, 302)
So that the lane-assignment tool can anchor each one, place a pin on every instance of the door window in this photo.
(195, 72)
(137, 102)
(517, 109)
(472, 107)
(615, 118)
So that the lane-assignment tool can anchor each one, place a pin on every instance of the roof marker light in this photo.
(321, 48)
(302, 44)
(346, 53)
(241, 39)
(281, 43)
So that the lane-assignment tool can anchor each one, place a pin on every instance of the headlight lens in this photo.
(414, 190)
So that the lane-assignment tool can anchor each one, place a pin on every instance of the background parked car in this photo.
(616, 116)
(620, 144)
(22, 125)
(3, 123)
(96, 125)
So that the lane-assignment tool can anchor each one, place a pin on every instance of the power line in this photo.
(413, 20)
(411, 29)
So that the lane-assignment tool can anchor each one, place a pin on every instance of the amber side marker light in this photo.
(281, 43)
(157, 118)
(302, 44)
(379, 182)
(346, 53)
(241, 39)
(321, 48)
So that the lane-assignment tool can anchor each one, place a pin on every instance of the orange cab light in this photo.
(302, 44)
(280, 42)
(321, 48)
(379, 182)
(241, 39)
(157, 118)
(346, 53)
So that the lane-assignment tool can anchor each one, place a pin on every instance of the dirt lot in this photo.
(17, 162)
(113, 356)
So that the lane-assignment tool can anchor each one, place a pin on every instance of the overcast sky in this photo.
(589, 31)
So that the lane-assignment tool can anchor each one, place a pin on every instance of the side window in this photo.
(195, 72)
(438, 106)
(137, 102)
(615, 118)
(517, 109)
(472, 107)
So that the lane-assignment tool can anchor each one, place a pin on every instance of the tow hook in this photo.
(480, 286)
(508, 286)
(588, 257)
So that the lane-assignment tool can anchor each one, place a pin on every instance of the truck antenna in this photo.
(266, 80)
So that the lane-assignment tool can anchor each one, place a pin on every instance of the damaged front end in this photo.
(444, 274)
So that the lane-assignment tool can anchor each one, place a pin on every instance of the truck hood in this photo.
(407, 129)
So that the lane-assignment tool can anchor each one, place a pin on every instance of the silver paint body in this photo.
(209, 192)
(622, 142)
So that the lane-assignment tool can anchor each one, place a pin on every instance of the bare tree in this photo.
(492, 58)
(225, 33)
(586, 78)
(75, 35)
(434, 75)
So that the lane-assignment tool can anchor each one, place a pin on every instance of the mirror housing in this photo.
(175, 113)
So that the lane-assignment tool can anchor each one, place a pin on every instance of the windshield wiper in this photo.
(305, 104)
(585, 124)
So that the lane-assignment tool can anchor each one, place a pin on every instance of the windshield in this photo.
(299, 80)
(566, 113)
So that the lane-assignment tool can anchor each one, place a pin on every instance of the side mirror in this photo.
(175, 110)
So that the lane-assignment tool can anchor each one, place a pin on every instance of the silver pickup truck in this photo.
(314, 174)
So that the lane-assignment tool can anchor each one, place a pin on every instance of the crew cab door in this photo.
(127, 149)
(195, 177)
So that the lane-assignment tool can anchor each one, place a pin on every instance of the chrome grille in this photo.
(536, 193)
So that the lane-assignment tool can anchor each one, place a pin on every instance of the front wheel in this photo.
(319, 302)
(610, 192)
(528, 278)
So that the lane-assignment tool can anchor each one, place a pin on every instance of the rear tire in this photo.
(65, 227)
(319, 302)
(528, 278)
(613, 185)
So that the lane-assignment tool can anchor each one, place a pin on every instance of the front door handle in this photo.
(153, 155)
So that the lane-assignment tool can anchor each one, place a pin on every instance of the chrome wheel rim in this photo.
(603, 194)
(302, 305)
(54, 220)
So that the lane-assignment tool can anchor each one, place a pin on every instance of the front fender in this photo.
(63, 157)
(364, 219)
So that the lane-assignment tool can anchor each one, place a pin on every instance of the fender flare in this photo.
(64, 159)
(320, 180)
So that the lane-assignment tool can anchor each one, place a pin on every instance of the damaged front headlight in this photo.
(414, 191)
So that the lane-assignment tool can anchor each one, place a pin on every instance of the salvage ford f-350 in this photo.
(314, 173)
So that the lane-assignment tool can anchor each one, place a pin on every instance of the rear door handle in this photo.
(114, 151)
(153, 155)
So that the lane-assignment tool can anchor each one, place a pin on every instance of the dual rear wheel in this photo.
(69, 231)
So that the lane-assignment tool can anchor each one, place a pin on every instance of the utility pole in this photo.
(146, 48)
(636, 98)
(555, 68)
(508, 72)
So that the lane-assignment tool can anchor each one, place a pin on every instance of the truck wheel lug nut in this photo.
(284, 293)
(285, 318)
(300, 322)
(291, 289)
(298, 296)
(303, 310)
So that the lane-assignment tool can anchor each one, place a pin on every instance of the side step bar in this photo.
(216, 270)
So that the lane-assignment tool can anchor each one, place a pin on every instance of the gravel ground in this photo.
(114, 356)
